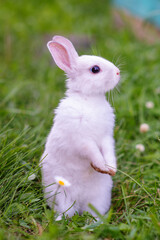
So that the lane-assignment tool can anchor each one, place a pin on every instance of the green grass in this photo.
(31, 87)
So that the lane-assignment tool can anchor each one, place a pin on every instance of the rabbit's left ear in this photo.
(63, 53)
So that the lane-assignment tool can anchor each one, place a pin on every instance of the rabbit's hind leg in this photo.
(64, 204)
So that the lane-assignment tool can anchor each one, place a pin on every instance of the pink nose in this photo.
(118, 73)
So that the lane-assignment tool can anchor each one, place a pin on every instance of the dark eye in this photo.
(95, 69)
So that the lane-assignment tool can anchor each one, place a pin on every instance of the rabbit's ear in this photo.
(67, 43)
(63, 53)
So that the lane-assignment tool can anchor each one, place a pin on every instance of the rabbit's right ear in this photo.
(63, 53)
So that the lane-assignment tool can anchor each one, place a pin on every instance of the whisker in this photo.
(117, 89)
(114, 59)
(117, 60)
(120, 61)
(112, 98)
(121, 64)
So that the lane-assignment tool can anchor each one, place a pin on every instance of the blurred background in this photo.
(145, 9)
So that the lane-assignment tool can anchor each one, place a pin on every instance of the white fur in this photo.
(82, 134)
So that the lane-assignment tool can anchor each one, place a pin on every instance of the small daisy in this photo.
(149, 104)
(140, 147)
(144, 127)
(62, 181)
(32, 177)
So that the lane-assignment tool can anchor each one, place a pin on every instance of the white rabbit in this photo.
(80, 145)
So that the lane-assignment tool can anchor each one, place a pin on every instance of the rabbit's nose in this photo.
(117, 71)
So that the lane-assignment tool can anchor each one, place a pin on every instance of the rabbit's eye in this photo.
(95, 69)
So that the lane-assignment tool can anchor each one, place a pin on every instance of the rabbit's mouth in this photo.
(112, 82)
(119, 77)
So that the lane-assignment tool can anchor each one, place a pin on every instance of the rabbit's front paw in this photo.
(105, 170)
(111, 164)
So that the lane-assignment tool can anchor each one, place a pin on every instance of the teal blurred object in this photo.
(146, 9)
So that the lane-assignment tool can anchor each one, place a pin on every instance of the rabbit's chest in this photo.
(99, 120)
(85, 117)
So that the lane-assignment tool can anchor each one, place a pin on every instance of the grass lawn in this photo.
(31, 87)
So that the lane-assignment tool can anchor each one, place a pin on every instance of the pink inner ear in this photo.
(60, 56)
(63, 55)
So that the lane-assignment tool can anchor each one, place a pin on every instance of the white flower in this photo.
(140, 147)
(149, 104)
(32, 177)
(62, 181)
(144, 127)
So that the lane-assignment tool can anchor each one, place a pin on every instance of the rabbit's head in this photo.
(86, 74)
